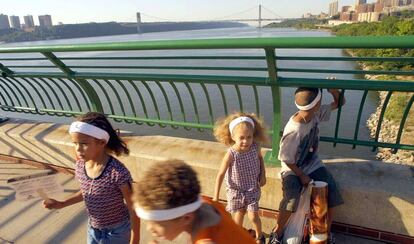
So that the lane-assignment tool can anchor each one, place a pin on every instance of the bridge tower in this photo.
(139, 23)
(260, 16)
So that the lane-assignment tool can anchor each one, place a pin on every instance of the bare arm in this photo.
(135, 221)
(55, 204)
(220, 175)
(336, 94)
(262, 180)
(304, 179)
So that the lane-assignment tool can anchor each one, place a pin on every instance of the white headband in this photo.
(239, 120)
(90, 130)
(312, 104)
(167, 214)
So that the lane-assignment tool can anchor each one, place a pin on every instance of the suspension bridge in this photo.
(234, 17)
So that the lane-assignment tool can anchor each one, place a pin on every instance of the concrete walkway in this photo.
(28, 222)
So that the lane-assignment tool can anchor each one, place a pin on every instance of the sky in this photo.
(84, 11)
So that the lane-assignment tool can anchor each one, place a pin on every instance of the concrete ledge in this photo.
(378, 195)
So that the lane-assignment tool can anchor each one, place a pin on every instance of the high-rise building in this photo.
(4, 21)
(45, 20)
(378, 7)
(359, 2)
(28, 21)
(346, 9)
(333, 8)
(395, 3)
(15, 22)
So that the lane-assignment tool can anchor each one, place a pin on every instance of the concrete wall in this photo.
(377, 195)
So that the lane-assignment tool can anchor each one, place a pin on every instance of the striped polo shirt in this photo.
(102, 195)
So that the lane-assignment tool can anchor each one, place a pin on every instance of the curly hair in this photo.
(222, 132)
(115, 144)
(166, 185)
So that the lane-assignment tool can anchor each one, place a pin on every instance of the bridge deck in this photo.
(29, 222)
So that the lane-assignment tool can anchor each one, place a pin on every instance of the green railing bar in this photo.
(21, 59)
(63, 93)
(32, 66)
(372, 72)
(93, 97)
(168, 67)
(121, 104)
(167, 100)
(73, 94)
(367, 143)
(58, 63)
(82, 92)
(190, 90)
(361, 107)
(239, 98)
(171, 67)
(54, 92)
(7, 93)
(36, 90)
(403, 120)
(338, 115)
(166, 57)
(45, 92)
(177, 93)
(165, 122)
(111, 107)
(242, 80)
(25, 89)
(357, 84)
(210, 109)
(14, 94)
(381, 117)
(131, 103)
(144, 107)
(373, 42)
(256, 99)
(18, 90)
(384, 59)
(273, 80)
(5, 70)
(154, 101)
(223, 98)
(48, 111)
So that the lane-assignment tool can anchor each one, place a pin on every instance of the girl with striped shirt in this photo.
(105, 183)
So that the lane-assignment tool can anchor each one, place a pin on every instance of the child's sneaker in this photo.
(274, 238)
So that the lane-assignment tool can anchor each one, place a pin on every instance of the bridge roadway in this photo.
(29, 222)
(378, 196)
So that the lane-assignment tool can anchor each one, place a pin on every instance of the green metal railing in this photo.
(119, 80)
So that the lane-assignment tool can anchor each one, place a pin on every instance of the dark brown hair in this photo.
(166, 185)
(115, 144)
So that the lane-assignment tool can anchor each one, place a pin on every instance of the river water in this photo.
(348, 118)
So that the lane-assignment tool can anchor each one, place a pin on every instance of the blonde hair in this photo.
(222, 131)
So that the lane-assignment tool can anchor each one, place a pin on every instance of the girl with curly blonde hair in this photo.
(242, 167)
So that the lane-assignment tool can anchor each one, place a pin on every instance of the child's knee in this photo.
(254, 216)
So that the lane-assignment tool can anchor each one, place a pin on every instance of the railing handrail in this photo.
(101, 83)
(228, 43)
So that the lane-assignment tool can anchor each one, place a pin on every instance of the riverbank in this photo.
(390, 125)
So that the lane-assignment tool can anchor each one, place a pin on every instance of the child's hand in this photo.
(262, 181)
(52, 204)
(305, 179)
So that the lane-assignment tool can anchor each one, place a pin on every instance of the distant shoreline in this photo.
(105, 29)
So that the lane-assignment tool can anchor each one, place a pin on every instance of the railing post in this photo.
(4, 73)
(70, 74)
(271, 156)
